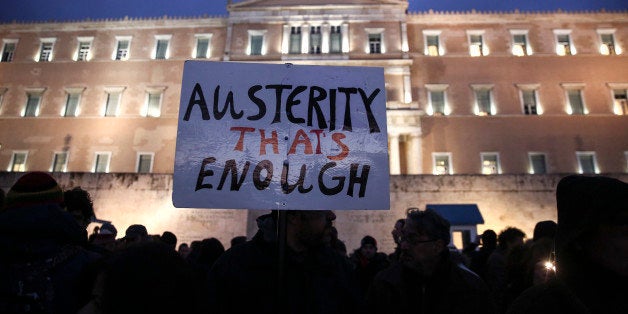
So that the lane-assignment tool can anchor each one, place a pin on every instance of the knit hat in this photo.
(585, 202)
(34, 188)
(368, 240)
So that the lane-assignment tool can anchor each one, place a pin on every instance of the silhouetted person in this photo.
(145, 277)
(591, 251)
(169, 239)
(368, 262)
(79, 204)
(238, 240)
(316, 279)
(497, 269)
(134, 234)
(203, 256)
(43, 265)
(396, 234)
(426, 280)
(489, 243)
(337, 244)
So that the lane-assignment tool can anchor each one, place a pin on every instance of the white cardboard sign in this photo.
(281, 136)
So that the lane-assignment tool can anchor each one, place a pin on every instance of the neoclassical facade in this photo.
(467, 92)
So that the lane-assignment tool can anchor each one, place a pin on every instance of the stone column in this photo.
(395, 166)
(415, 162)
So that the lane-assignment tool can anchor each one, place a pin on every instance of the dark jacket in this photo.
(44, 239)
(245, 279)
(451, 289)
(367, 269)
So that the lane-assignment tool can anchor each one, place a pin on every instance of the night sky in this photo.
(63, 10)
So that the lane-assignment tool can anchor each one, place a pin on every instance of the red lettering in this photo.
(337, 137)
(240, 145)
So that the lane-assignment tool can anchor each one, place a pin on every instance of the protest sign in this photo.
(281, 136)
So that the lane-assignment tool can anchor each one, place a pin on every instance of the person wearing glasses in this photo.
(426, 280)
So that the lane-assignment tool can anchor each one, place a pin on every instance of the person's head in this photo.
(510, 237)
(309, 228)
(209, 251)
(184, 250)
(368, 247)
(544, 229)
(34, 189)
(79, 203)
(238, 240)
(169, 239)
(397, 230)
(136, 233)
(424, 240)
(592, 223)
(489, 239)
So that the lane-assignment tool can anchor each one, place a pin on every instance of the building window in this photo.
(257, 45)
(587, 162)
(8, 49)
(529, 99)
(375, 43)
(520, 46)
(18, 161)
(295, 40)
(33, 103)
(153, 104)
(316, 40)
(564, 46)
(83, 51)
(431, 41)
(442, 163)
(45, 49)
(113, 102)
(162, 42)
(538, 164)
(620, 101)
(575, 103)
(608, 46)
(202, 50)
(483, 100)
(437, 99)
(477, 47)
(72, 105)
(335, 39)
(59, 162)
(145, 162)
(122, 48)
(101, 162)
(490, 163)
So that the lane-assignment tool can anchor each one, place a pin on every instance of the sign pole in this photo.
(281, 263)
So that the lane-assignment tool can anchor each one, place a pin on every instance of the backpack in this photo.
(28, 287)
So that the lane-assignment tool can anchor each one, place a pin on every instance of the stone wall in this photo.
(504, 200)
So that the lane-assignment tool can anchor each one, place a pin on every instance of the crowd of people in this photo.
(49, 263)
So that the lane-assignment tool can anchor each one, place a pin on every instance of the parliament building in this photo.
(468, 93)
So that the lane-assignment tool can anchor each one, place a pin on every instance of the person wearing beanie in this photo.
(368, 262)
(41, 246)
(591, 250)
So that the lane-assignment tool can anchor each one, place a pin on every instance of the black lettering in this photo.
(278, 91)
(218, 114)
(332, 109)
(231, 166)
(290, 102)
(313, 105)
(369, 114)
(260, 103)
(263, 165)
(197, 101)
(321, 184)
(204, 173)
(353, 179)
(288, 188)
(347, 121)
